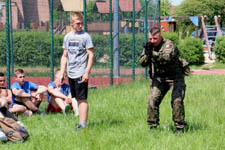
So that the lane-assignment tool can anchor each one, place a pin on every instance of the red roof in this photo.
(124, 6)
(173, 10)
(127, 5)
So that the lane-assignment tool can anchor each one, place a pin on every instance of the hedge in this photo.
(219, 49)
(171, 36)
(191, 49)
(33, 48)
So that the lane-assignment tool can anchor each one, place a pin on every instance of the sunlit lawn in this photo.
(117, 121)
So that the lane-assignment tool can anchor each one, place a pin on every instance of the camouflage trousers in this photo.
(158, 90)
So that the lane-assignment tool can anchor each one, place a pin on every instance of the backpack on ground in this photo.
(13, 131)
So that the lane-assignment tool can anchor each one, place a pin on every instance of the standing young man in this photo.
(78, 56)
(166, 71)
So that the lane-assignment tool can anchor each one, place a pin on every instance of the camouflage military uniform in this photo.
(166, 73)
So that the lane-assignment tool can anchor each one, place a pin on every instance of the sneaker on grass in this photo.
(79, 127)
(3, 137)
(41, 113)
(67, 109)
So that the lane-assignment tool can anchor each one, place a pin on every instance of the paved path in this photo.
(209, 72)
(105, 81)
(125, 71)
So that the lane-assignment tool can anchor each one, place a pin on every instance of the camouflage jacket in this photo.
(164, 59)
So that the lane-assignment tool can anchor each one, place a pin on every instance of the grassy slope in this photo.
(117, 120)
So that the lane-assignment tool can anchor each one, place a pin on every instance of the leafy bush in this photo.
(191, 49)
(171, 36)
(220, 49)
(126, 48)
(34, 48)
(102, 48)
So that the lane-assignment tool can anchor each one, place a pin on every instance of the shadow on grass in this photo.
(191, 127)
(195, 126)
(108, 123)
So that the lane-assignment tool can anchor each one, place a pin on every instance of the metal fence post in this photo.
(159, 14)
(146, 30)
(85, 15)
(133, 42)
(11, 38)
(7, 41)
(52, 40)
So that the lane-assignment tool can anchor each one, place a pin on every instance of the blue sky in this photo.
(175, 2)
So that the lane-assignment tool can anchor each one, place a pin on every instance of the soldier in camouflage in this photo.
(166, 72)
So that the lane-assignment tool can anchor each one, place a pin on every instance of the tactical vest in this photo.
(167, 69)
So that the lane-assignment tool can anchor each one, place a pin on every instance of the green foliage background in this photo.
(191, 49)
(32, 49)
(117, 121)
(220, 49)
(210, 8)
(172, 36)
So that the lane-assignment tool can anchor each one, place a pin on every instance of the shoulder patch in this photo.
(169, 46)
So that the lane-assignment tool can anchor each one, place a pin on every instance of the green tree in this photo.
(210, 8)
(165, 8)
(90, 8)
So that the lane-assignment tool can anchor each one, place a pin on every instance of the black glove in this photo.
(148, 49)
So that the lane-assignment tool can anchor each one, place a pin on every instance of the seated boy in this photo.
(59, 95)
(27, 93)
(6, 100)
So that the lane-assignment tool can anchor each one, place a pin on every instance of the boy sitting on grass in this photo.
(6, 100)
(27, 93)
(59, 95)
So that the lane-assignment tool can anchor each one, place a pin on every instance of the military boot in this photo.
(180, 127)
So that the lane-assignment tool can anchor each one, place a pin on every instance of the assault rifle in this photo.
(148, 51)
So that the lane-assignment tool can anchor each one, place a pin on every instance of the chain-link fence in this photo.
(29, 26)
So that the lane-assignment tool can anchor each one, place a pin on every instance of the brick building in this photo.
(125, 6)
(35, 13)
(29, 12)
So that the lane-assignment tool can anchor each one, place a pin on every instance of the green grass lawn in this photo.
(117, 121)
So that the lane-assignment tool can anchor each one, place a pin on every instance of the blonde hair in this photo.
(76, 16)
(57, 70)
(19, 71)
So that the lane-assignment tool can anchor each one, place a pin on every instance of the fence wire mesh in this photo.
(30, 37)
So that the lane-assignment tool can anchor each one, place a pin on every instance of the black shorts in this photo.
(21, 103)
(18, 102)
(78, 89)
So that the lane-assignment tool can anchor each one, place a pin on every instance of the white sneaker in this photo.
(20, 123)
(3, 137)
(27, 113)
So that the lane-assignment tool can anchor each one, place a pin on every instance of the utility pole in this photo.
(116, 40)
(111, 43)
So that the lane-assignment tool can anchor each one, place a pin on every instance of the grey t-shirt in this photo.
(76, 45)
